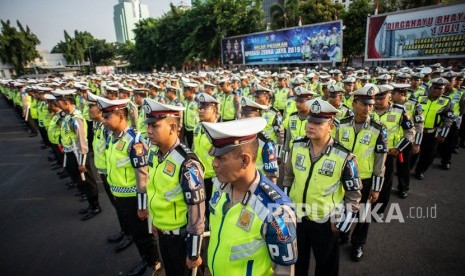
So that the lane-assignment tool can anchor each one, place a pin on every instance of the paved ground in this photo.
(41, 234)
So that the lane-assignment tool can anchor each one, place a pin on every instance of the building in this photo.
(267, 4)
(6, 70)
(125, 15)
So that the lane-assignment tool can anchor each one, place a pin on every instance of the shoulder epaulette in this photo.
(345, 120)
(340, 147)
(376, 124)
(300, 139)
(398, 107)
(263, 136)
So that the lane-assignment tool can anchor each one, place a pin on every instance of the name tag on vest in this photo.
(327, 168)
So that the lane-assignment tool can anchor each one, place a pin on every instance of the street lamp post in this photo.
(90, 59)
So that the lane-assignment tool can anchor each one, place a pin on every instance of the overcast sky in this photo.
(48, 18)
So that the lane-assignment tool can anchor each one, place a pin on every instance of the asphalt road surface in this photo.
(41, 232)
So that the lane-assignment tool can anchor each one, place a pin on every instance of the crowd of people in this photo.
(247, 169)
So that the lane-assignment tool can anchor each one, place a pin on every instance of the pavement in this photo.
(41, 232)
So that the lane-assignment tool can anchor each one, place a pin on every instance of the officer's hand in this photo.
(440, 140)
(82, 169)
(415, 149)
(373, 196)
(393, 151)
(334, 228)
(143, 214)
(193, 264)
(154, 231)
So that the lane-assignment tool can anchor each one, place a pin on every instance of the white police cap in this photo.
(155, 111)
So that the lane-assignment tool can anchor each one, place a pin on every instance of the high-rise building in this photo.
(125, 15)
(267, 4)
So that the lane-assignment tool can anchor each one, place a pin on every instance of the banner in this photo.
(431, 33)
(104, 70)
(315, 43)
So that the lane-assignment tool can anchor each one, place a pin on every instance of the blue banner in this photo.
(315, 43)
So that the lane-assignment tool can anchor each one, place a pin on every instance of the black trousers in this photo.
(325, 245)
(173, 253)
(32, 125)
(145, 242)
(112, 199)
(427, 152)
(403, 169)
(90, 134)
(44, 135)
(385, 193)
(462, 131)
(445, 149)
(360, 233)
(58, 153)
(87, 186)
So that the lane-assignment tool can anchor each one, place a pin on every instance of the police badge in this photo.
(366, 138)
(327, 168)
(345, 135)
(299, 162)
(316, 108)
(245, 219)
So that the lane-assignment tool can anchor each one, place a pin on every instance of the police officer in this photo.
(190, 113)
(127, 176)
(176, 191)
(266, 160)
(280, 94)
(415, 112)
(125, 93)
(73, 139)
(349, 87)
(54, 127)
(335, 96)
(208, 112)
(171, 96)
(111, 92)
(439, 117)
(332, 171)
(295, 123)
(251, 223)
(367, 139)
(139, 95)
(394, 117)
(274, 128)
(230, 107)
(445, 149)
(416, 89)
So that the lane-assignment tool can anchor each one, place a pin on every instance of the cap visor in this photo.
(221, 151)
(317, 119)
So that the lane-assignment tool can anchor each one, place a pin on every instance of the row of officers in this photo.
(337, 152)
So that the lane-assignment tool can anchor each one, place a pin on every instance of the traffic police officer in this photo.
(266, 160)
(139, 95)
(127, 176)
(415, 112)
(230, 106)
(274, 128)
(175, 191)
(439, 117)
(191, 115)
(332, 171)
(367, 139)
(251, 223)
(394, 117)
(280, 94)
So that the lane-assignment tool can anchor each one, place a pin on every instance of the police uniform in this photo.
(202, 145)
(335, 183)
(53, 131)
(344, 110)
(43, 115)
(296, 122)
(394, 119)
(368, 142)
(347, 98)
(249, 235)
(229, 108)
(127, 175)
(274, 128)
(131, 106)
(190, 115)
(445, 149)
(404, 162)
(141, 126)
(176, 197)
(73, 138)
(267, 155)
(439, 117)
(280, 95)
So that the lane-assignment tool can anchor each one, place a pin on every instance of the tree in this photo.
(82, 46)
(286, 15)
(316, 11)
(18, 47)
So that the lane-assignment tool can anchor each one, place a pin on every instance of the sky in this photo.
(48, 18)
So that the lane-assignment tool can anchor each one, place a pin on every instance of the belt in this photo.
(429, 130)
(175, 232)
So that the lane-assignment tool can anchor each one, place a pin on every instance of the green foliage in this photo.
(82, 46)
(184, 36)
(18, 47)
